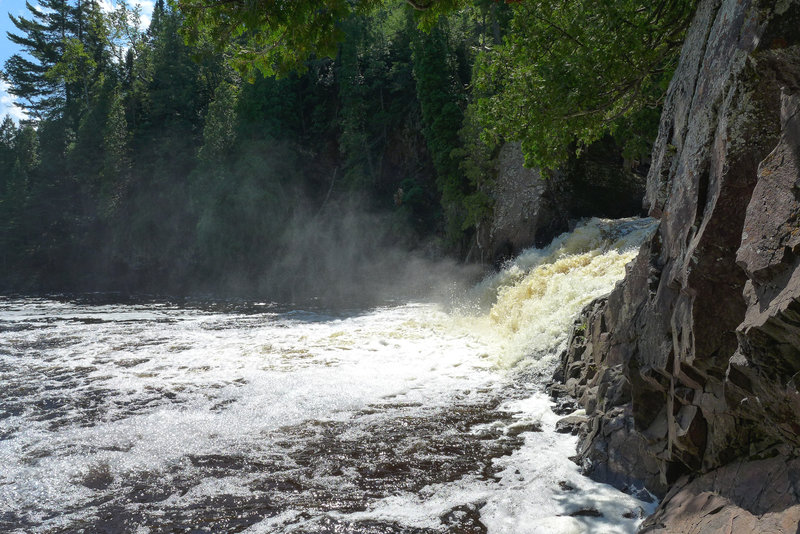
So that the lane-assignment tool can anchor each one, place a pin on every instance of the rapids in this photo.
(151, 416)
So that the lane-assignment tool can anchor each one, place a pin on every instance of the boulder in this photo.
(758, 496)
(571, 424)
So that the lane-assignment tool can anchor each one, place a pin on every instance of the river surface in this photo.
(153, 416)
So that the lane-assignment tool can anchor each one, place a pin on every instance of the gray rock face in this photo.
(733, 499)
(592, 371)
(691, 365)
(526, 205)
(531, 210)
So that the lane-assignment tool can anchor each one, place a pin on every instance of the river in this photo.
(154, 416)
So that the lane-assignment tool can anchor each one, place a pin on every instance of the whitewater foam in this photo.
(141, 416)
(528, 308)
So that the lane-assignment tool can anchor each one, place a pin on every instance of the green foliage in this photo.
(278, 36)
(116, 158)
(65, 50)
(219, 130)
(13, 183)
(574, 70)
(269, 107)
(41, 36)
(174, 83)
(476, 164)
(242, 209)
(376, 92)
(440, 93)
(8, 131)
(74, 63)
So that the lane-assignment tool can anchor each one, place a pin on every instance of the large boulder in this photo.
(742, 497)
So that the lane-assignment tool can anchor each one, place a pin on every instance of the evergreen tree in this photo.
(441, 95)
(116, 138)
(219, 130)
(42, 37)
(85, 58)
(18, 225)
(63, 51)
(8, 130)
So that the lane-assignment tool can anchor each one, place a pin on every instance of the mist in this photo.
(345, 255)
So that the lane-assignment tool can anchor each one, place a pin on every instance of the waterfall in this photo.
(533, 300)
(262, 418)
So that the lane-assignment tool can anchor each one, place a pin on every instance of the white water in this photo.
(150, 417)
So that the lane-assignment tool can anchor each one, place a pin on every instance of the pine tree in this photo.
(440, 93)
(42, 37)
(18, 225)
(65, 48)
(115, 139)
(219, 133)
(8, 131)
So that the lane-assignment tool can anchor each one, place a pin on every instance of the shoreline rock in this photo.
(688, 370)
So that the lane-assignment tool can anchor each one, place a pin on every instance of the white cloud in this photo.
(7, 104)
(147, 11)
(146, 7)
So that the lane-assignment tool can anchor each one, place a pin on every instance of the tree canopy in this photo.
(278, 36)
(571, 71)
(149, 163)
(566, 73)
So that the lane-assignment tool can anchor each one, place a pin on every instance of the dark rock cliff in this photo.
(530, 210)
(689, 370)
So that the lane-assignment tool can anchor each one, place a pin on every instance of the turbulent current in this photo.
(411, 418)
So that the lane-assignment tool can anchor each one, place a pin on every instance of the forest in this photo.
(222, 148)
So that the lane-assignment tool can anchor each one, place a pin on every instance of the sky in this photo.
(8, 49)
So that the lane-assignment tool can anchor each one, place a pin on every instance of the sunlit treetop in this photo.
(571, 71)
(277, 36)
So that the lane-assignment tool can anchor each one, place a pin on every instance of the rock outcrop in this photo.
(531, 210)
(527, 207)
(690, 368)
(733, 499)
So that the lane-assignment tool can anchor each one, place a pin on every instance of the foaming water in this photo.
(527, 308)
(155, 417)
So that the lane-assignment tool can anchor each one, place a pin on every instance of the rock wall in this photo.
(691, 365)
(531, 210)
(527, 207)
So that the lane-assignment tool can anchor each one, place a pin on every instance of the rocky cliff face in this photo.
(531, 210)
(527, 207)
(689, 370)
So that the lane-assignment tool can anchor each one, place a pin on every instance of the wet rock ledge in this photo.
(688, 372)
